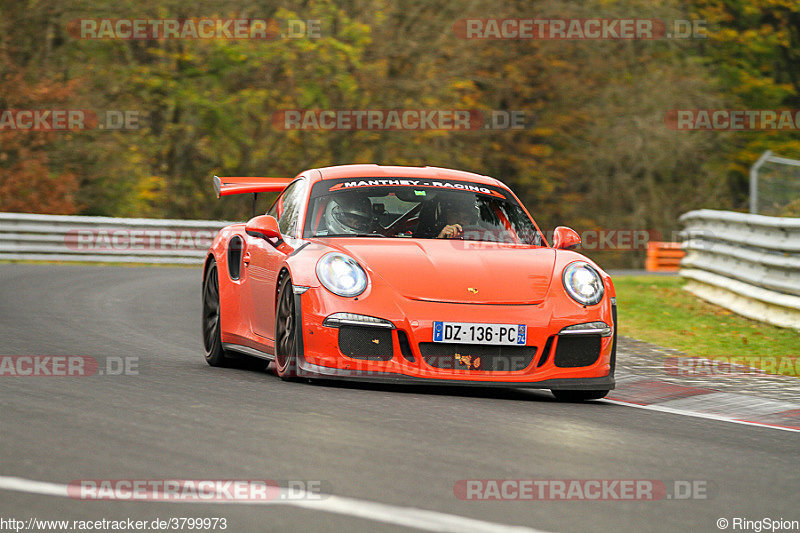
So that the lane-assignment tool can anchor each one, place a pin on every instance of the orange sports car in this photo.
(407, 275)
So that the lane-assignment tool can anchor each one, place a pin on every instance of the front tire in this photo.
(286, 348)
(578, 395)
(212, 338)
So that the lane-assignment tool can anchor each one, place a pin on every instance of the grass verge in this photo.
(656, 309)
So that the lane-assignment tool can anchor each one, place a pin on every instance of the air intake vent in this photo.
(614, 346)
(477, 357)
(577, 350)
(405, 346)
(235, 257)
(369, 344)
(546, 352)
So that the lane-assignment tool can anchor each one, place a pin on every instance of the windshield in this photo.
(418, 210)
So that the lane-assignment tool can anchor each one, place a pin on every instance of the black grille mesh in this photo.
(370, 344)
(577, 350)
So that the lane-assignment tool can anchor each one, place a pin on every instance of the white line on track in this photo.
(695, 414)
(379, 512)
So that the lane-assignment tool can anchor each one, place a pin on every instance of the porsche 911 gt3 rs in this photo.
(407, 275)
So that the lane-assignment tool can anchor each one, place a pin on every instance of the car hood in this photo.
(455, 271)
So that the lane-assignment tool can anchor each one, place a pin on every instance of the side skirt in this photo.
(247, 351)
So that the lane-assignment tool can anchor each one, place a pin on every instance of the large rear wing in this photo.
(249, 185)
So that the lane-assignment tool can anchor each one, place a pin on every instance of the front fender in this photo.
(302, 263)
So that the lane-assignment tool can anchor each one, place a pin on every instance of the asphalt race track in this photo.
(177, 418)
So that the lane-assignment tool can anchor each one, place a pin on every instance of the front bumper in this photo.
(322, 357)
(308, 370)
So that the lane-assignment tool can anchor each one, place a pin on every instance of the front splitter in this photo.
(309, 370)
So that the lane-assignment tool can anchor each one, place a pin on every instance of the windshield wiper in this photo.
(351, 235)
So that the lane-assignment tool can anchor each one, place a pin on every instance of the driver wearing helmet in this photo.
(349, 213)
(457, 211)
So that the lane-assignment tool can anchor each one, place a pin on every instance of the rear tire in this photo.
(578, 395)
(286, 332)
(212, 338)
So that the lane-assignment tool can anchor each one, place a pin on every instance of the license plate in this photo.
(469, 333)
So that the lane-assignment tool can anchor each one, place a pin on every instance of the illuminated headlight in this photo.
(583, 283)
(341, 275)
(588, 328)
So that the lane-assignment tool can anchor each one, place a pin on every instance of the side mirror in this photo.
(264, 226)
(565, 238)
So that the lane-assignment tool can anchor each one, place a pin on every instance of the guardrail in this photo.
(105, 239)
(749, 264)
